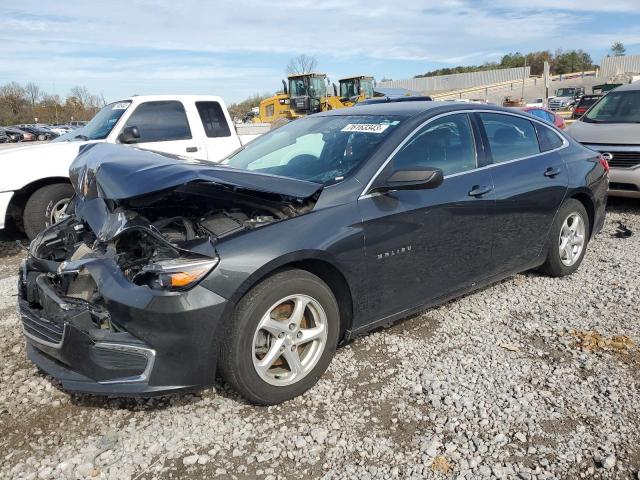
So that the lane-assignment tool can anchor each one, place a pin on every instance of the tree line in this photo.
(560, 62)
(28, 102)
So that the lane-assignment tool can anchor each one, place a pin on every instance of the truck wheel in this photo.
(281, 337)
(45, 207)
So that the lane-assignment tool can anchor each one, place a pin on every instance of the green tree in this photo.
(240, 109)
(572, 61)
(617, 49)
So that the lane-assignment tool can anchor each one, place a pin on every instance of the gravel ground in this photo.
(531, 378)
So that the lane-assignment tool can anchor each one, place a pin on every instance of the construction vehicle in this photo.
(307, 93)
(355, 89)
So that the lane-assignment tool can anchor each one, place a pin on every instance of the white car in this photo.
(536, 102)
(612, 126)
(34, 185)
(58, 130)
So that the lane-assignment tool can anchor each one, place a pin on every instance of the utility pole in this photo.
(524, 73)
(547, 69)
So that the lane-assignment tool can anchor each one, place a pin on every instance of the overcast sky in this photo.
(235, 49)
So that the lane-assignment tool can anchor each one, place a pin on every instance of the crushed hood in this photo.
(116, 172)
(105, 173)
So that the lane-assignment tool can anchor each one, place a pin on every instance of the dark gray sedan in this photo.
(167, 271)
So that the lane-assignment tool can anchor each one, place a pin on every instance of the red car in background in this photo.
(546, 115)
(585, 102)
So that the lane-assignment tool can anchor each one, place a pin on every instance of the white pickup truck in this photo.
(34, 185)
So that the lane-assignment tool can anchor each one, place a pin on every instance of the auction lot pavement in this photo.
(530, 378)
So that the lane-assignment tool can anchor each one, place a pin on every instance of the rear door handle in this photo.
(479, 190)
(551, 172)
(192, 149)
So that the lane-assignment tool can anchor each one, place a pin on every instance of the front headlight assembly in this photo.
(176, 274)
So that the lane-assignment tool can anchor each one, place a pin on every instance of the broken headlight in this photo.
(176, 274)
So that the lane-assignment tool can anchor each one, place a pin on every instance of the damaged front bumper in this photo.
(135, 342)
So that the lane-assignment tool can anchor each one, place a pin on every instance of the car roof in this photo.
(180, 98)
(628, 87)
(409, 109)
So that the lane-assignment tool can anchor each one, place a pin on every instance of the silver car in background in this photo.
(612, 126)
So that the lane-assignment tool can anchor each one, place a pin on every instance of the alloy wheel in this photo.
(58, 210)
(289, 340)
(572, 239)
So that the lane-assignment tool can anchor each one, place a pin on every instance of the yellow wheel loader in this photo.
(355, 89)
(307, 93)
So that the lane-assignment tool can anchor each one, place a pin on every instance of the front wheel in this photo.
(281, 337)
(568, 240)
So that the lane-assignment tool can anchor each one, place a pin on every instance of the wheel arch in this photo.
(318, 263)
(18, 201)
(586, 199)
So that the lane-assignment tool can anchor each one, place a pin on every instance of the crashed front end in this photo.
(114, 299)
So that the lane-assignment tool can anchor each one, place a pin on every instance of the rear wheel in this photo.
(281, 338)
(568, 240)
(45, 207)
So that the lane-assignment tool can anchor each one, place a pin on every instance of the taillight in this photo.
(604, 159)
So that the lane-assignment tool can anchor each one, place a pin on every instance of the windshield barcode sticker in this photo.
(120, 106)
(365, 127)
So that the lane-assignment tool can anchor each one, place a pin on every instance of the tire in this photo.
(41, 208)
(560, 264)
(238, 354)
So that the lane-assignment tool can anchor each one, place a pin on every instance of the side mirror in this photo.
(129, 135)
(414, 179)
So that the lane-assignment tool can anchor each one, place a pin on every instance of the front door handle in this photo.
(192, 149)
(551, 172)
(479, 190)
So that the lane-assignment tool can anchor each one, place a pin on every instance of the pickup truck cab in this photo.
(35, 188)
(565, 98)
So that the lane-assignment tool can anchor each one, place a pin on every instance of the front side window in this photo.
(318, 88)
(318, 149)
(269, 110)
(510, 137)
(160, 121)
(616, 107)
(366, 88)
(213, 120)
(446, 143)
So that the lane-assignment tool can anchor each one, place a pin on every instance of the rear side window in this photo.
(549, 140)
(160, 121)
(213, 119)
(446, 143)
(510, 137)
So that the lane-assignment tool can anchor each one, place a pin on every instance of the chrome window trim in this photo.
(565, 144)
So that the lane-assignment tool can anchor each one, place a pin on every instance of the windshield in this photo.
(586, 102)
(299, 86)
(354, 87)
(348, 89)
(100, 125)
(318, 149)
(307, 86)
(616, 107)
(565, 92)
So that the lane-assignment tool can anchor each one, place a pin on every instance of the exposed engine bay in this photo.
(179, 225)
